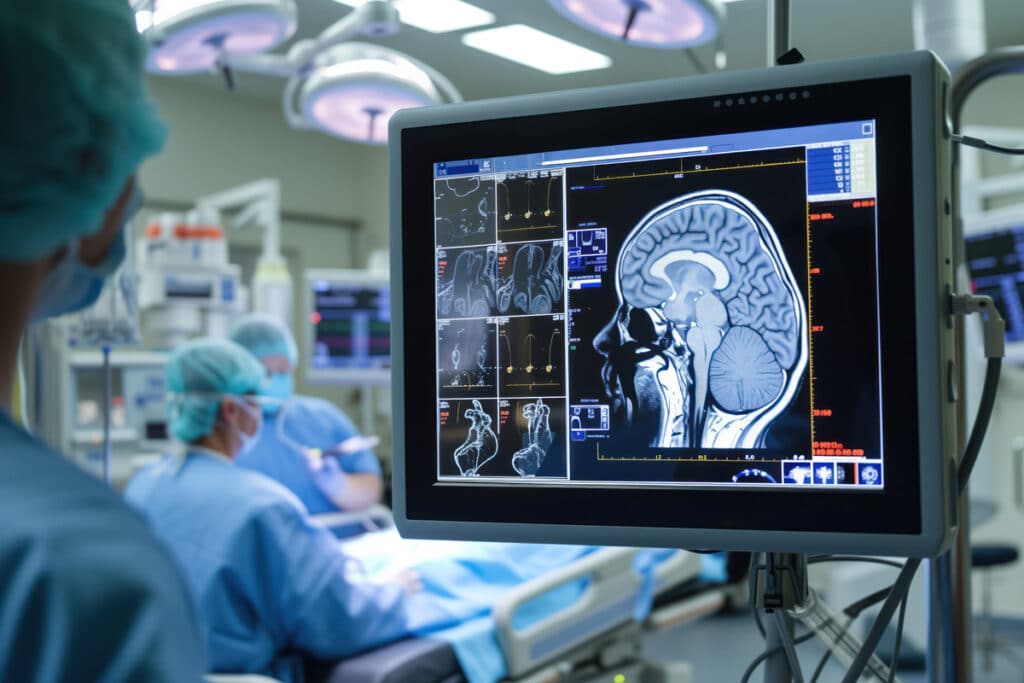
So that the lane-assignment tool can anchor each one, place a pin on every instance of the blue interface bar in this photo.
(641, 151)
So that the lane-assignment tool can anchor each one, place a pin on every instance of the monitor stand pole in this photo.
(781, 588)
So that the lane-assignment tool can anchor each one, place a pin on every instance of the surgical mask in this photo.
(280, 386)
(249, 441)
(72, 285)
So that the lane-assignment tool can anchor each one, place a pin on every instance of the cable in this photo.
(899, 639)
(771, 653)
(985, 145)
(818, 559)
(788, 646)
(696, 61)
(828, 650)
(899, 591)
(981, 420)
(755, 568)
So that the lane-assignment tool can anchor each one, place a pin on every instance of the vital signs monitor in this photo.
(702, 313)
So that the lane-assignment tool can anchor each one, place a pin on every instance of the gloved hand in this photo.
(408, 580)
(328, 476)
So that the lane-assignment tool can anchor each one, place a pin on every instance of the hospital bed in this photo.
(595, 639)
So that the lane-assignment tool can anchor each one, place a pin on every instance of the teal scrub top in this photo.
(312, 423)
(272, 587)
(86, 592)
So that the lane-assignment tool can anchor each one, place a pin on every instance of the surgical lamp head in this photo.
(355, 88)
(668, 24)
(190, 36)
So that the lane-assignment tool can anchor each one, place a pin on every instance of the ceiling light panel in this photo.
(436, 16)
(537, 49)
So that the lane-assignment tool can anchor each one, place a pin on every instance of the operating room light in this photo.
(437, 16)
(188, 36)
(648, 23)
(359, 88)
(537, 49)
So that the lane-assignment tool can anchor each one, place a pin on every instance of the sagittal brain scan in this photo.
(707, 345)
(464, 212)
(655, 318)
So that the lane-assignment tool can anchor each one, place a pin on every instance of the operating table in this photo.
(595, 639)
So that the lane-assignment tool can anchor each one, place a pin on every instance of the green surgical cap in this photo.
(75, 122)
(264, 336)
(207, 369)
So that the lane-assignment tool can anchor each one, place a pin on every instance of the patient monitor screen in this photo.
(351, 325)
(669, 313)
(996, 263)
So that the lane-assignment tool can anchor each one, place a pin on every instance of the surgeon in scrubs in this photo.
(275, 591)
(300, 432)
(86, 592)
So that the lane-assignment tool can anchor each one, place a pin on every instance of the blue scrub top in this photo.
(86, 592)
(313, 423)
(271, 586)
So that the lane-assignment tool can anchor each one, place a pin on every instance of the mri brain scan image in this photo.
(708, 344)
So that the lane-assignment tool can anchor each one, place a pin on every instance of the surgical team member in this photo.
(273, 589)
(86, 593)
(293, 424)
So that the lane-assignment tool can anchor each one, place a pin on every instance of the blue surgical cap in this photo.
(199, 373)
(76, 120)
(264, 336)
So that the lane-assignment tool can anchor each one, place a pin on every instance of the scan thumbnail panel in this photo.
(529, 206)
(464, 212)
(466, 282)
(531, 356)
(522, 438)
(467, 358)
(530, 278)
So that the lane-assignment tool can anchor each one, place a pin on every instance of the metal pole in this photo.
(949, 576)
(778, 29)
(108, 394)
(776, 667)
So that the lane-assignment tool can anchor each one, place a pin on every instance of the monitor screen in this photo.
(650, 313)
(349, 326)
(996, 263)
(674, 314)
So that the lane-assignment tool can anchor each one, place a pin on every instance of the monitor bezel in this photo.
(348, 376)
(921, 525)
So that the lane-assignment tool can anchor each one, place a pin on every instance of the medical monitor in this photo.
(701, 313)
(349, 333)
(995, 261)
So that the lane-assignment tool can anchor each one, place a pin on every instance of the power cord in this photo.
(994, 335)
(983, 144)
(788, 646)
(771, 653)
(899, 640)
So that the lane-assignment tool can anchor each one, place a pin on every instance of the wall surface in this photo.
(330, 189)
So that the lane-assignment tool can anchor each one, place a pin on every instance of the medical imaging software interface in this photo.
(698, 312)
(351, 325)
